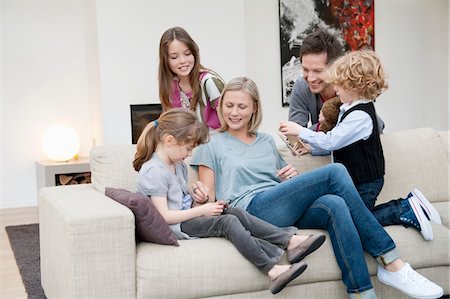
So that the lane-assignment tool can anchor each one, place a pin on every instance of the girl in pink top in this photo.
(183, 81)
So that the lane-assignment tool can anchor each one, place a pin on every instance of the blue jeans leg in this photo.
(387, 213)
(287, 203)
(330, 212)
(370, 191)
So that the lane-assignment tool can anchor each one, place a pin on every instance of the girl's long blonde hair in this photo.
(182, 124)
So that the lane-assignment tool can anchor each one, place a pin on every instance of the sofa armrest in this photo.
(87, 244)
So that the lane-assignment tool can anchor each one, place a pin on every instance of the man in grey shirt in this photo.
(319, 49)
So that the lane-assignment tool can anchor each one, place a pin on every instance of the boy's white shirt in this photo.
(356, 126)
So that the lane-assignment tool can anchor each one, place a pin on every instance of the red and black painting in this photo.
(351, 20)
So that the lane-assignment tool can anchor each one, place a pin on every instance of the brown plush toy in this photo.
(329, 114)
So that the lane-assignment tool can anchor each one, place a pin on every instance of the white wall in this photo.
(83, 63)
(44, 82)
(411, 38)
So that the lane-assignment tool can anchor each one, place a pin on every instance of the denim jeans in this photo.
(259, 242)
(326, 198)
(386, 213)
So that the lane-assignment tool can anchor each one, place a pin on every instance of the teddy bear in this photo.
(328, 115)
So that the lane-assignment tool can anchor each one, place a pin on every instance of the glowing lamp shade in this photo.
(60, 143)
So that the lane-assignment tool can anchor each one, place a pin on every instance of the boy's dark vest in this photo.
(364, 159)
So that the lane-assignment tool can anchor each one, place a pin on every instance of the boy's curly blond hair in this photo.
(360, 72)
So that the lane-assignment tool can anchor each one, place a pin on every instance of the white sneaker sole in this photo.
(427, 206)
(426, 229)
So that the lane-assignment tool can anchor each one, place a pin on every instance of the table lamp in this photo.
(60, 143)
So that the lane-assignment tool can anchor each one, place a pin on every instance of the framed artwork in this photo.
(351, 20)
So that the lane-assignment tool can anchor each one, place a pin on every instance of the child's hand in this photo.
(200, 192)
(287, 172)
(212, 208)
(290, 128)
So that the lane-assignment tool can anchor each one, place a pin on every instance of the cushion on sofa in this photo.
(150, 225)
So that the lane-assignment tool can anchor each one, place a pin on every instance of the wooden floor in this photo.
(11, 285)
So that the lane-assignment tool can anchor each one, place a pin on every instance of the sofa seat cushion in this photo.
(198, 267)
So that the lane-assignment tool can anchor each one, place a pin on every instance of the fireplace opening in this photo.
(141, 115)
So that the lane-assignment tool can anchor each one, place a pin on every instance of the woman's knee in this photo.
(339, 168)
(334, 204)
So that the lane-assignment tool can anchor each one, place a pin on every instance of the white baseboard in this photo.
(18, 204)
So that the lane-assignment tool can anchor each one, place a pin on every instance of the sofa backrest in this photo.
(416, 158)
(112, 166)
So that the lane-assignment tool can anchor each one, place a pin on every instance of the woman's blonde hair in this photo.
(360, 72)
(182, 124)
(246, 85)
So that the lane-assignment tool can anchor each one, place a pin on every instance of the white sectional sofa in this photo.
(88, 246)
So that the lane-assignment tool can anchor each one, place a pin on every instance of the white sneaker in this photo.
(431, 211)
(425, 226)
(408, 281)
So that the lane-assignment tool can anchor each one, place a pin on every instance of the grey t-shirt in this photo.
(241, 170)
(155, 179)
(304, 105)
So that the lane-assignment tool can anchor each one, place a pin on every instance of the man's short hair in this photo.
(321, 41)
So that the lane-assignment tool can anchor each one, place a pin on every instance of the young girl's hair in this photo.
(246, 85)
(360, 72)
(182, 124)
(165, 75)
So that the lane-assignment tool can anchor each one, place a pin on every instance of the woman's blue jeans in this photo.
(326, 198)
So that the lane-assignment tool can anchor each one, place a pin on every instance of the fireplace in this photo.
(141, 115)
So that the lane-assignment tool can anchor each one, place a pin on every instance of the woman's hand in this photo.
(287, 172)
(200, 192)
(290, 128)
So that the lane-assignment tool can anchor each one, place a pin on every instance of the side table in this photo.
(48, 172)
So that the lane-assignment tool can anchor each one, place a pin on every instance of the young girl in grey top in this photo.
(161, 150)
